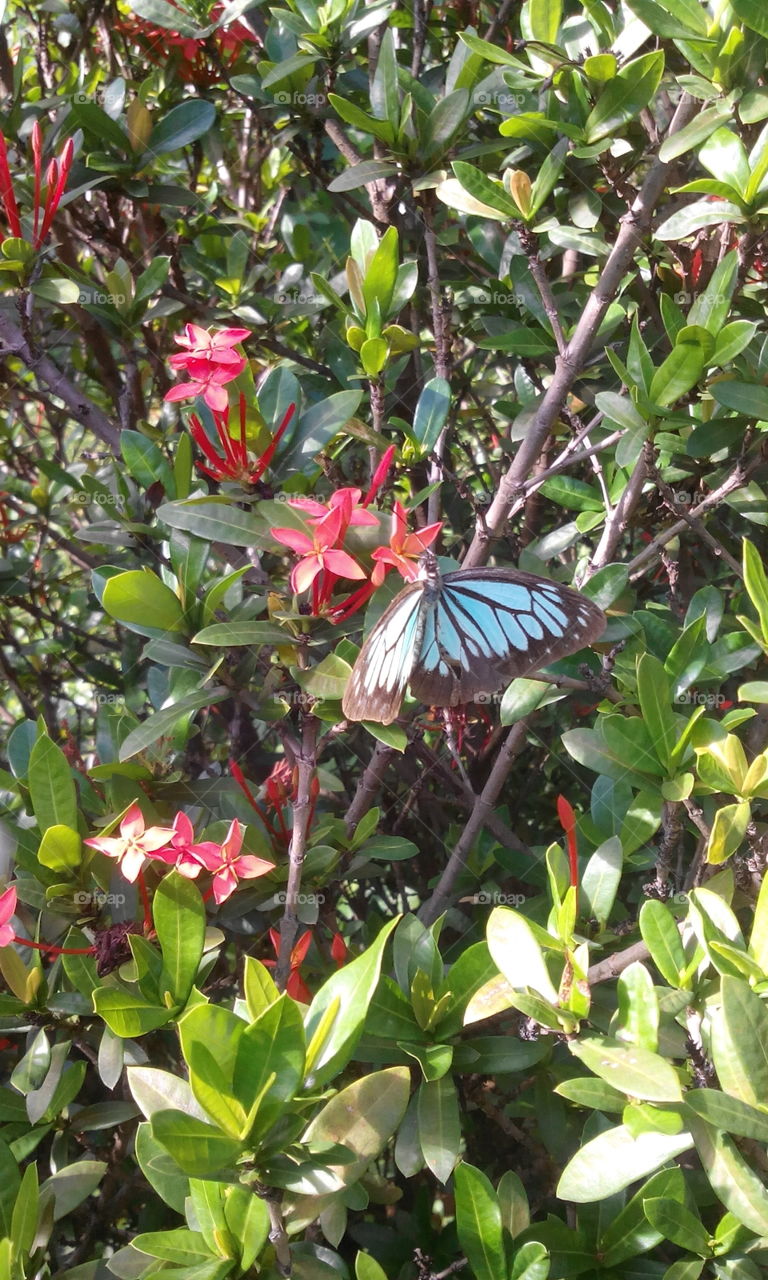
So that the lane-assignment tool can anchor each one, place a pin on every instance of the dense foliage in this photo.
(290, 294)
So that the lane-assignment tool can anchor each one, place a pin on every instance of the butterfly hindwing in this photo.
(492, 625)
(384, 664)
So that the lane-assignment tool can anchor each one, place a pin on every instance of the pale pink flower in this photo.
(135, 842)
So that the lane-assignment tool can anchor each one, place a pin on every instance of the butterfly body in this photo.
(458, 635)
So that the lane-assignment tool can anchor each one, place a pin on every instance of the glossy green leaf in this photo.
(199, 1149)
(179, 916)
(51, 786)
(439, 1126)
(138, 596)
(479, 1223)
(183, 124)
(625, 96)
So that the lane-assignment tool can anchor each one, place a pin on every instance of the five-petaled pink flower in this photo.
(404, 548)
(228, 865)
(135, 842)
(7, 910)
(181, 852)
(319, 552)
(211, 362)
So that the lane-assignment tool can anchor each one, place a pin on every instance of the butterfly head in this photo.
(428, 568)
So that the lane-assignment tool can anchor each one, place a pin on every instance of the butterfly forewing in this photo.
(384, 664)
(491, 625)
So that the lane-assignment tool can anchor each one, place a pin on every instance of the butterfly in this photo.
(454, 636)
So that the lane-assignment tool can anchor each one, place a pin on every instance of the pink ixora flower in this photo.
(228, 864)
(319, 553)
(7, 911)
(211, 362)
(404, 548)
(135, 842)
(182, 851)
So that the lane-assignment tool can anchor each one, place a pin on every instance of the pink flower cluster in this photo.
(323, 560)
(176, 847)
(211, 362)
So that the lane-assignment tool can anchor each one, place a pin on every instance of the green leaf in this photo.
(485, 190)
(57, 289)
(662, 937)
(160, 13)
(51, 786)
(753, 14)
(740, 1043)
(25, 1213)
(163, 723)
(381, 273)
(138, 596)
(517, 952)
(676, 1223)
(728, 831)
(258, 987)
(439, 1126)
(625, 96)
(748, 398)
(385, 93)
(349, 992)
(247, 1218)
(602, 877)
(179, 916)
(655, 696)
(756, 583)
(630, 1232)
(199, 1149)
(235, 634)
(479, 1223)
(683, 366)
(616, 1158)
(702, 213)
(126, 1014)
(362, 1117)
(731, 1178)
(374, 354)
(637, 1071)
(176, 1245)
(213, 520)
(431, 413)
(183, 124)
(367, 1268)
(269, 1064)
(729, 1114)
(544, 17)
(72, 1185)
(316, 429)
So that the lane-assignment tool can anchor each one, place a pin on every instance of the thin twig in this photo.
(442, 895)
(306, 762)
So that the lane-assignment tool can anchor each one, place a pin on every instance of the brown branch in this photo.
(634, 226)
(442, 895)
(306, 761)
(81, 408)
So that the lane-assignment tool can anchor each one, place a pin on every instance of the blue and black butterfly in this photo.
(454, 636)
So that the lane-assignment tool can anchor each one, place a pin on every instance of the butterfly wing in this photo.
(384, 664)
(490, 625)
